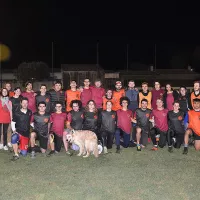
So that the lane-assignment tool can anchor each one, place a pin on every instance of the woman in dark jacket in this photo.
(169, 97)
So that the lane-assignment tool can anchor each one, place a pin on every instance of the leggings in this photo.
(178, 136)
(162, 139)
(5, 129)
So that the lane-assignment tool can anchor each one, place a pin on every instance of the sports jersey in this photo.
(46, 98)
(160, 119)
(184, 102)
(105, 100)
(86, 95)
(147, 96)
(194, 121)
(175, 121)
(71, 95)
(15, 103)
(170, 101)
(75, 118)
(22, 122)
(31, 100)
(124, 120)
(57, 96)
(5, 117)
(90, 121)
(142, 117)
(97, 96)
(58, 121)
(11, 93)
(41, 123)
(194, 96)
(107, 121)
(156, 94)
(117, 95)
(132, 94)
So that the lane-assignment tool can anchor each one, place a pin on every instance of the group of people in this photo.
(129, 117)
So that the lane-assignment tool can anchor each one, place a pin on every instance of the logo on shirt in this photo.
(47, 99)
(46, 120)
(77, 96)
(113, 116)
(164, 114)
(95, 116)
(82, 116)
(180, 118)
(147, 115)
(161, 94)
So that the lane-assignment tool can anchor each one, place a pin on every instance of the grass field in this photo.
(129, 175)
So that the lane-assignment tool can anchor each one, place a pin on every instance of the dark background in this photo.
(30, 28)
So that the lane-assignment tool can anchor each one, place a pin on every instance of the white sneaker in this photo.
(5, 148)
(105, 150)
(9, 145)
(1, 146)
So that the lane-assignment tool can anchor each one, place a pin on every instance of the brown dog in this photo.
(86, 140)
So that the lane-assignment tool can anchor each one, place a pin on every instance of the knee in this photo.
(33, 135)
(23, 152)
(15, 138)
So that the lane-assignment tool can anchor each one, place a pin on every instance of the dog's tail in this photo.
(96, 151)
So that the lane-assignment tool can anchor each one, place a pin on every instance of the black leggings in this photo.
(107, 139)
(58, 141)
(163, 137)
(5, 129)
(178, 136)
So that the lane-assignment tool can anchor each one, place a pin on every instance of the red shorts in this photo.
(23, 142)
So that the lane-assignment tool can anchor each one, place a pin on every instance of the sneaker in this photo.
(105, 150)
(185, 150)
(69, 153)
(5, 148)
(51, 153)
(9, 145)
(118, 151)
(170, 149)
(138, 148)
(15, 157)
(33, 154)
(154, 148)
(1, 146)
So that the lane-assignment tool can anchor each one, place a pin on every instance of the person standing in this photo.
(86, 92)
(195, 94)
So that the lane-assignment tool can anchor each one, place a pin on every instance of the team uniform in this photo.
(117, 95)
(105, 99)
(71, 95)
(156, 94)
(132, 94)
(142, 117)
(147, 96)
(22, 126)
(86, 95)
(58, 121)
(123, 126)
(97, 96)
(176, 128)
(107, 125)
(75, 118)
(184, 103)
(161, 127)
(45, 98)
(169, 98)
(31, 100)
(41, 128)
(15, 103)
(194, 96)
(90, 121)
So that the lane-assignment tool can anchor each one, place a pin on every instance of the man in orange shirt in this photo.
(195, 93)
(108, 97)
(193, 119)
(145, 94)
(72, 94)
(117, 94)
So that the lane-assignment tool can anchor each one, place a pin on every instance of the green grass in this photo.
(129, 175)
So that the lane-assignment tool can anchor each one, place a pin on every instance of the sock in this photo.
(185, 145)
(156, 145)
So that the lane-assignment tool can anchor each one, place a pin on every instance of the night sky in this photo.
(29, 30)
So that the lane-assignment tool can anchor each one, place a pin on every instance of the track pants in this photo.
(179, 137)
(126, 138)
(107, 138)
(162, 139)
(5, 129)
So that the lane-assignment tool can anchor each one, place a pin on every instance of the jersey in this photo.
(194, 96)
(58, 121)
(90, 121)
(71, 95)
(41, 123)
(22, 122)
(15, 103)
(142, 117)
(75, 119)
(156, 94)
(5, 113)
(97, 96)
(194, 121)
(86, 95)
(46, 98)
(147, 96)
(132, 94)
(117, 95)
(108, 121)
(176, 121)
(105, 100)
(31, 100)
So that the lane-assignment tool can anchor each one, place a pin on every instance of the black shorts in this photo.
(43, 140)
(196, 137)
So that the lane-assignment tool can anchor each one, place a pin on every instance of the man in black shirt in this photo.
(141, 118)
(43, 96)
(41, 124)
(176, 127)
(107, 125)
(21, 129)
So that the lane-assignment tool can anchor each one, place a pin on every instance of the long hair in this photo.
(87, 106)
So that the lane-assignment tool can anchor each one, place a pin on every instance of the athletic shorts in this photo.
(196, 137)
(43, 140)
(23, 143)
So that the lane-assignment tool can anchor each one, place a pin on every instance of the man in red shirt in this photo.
(157, 93)
(193, 119)
(159, 119)
(124, 119)
(86, 92)
(97, 94)
(30, 95)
